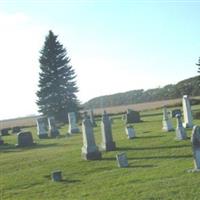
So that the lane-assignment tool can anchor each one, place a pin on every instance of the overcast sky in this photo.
(114, 46)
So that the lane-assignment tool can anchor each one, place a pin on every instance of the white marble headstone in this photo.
(73, 128)
(187, 112)
(180, 131)
(42, 127)
(167, 124)
(130, 132)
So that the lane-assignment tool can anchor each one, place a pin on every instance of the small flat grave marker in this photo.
(122, 160)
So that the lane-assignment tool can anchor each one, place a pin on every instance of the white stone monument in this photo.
(167, 124)
(187, 112)
(180, 131)
(122, 160)
(106, 129)
(89, 150)
(130, 132)
(42, 127)
(195, 139)
(53, 130)
(73, 128)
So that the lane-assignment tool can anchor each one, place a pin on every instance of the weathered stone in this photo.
(122, 160)
(1, 140)
(106, 129)
(16, 129)
(5, 131)
(130, 132)
(187, 112)
(91, 114)
(56, 176)
(53, 130)
(132, 116)
(24, 139)
(89, 150)
(167, 124)
(73, 128)
(42, 127)
(180, 131)
(195, 139)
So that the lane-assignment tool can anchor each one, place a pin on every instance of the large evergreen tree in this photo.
(198, 64)
(57, 85)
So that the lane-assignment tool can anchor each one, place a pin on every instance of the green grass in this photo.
(157, 169)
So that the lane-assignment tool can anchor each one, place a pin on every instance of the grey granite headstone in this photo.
(106, 130)
(24, 139)
(180, 131)
(195, 139)
(1, 140)
(89, 150)
(132, 116)
(91, 114)
(122, 160)
(73, 127)
(130, 132)
(187, 112)
(167, 124)
(56, 176)
(53, 130)
(42, 127)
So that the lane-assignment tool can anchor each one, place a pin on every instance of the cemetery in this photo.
(156, 158)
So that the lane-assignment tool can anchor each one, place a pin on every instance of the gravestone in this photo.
(89, 150)
(16, 129)
(195, 139)
(42, 127)
(130, 132)
(24, 139)
(91, 114)
(180, 131)
(106, 130)
(187, 112)
(53, 130)
(73, 128)
(56, 176)
(1, 140)
(175, 112)
(5, 131)
(122, 160)
(132, 116)
(167, 124)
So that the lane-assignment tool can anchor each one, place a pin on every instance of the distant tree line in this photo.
(189, 86)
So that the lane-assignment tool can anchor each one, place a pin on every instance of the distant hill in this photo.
(189, 86)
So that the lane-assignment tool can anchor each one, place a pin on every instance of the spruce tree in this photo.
(57, 85)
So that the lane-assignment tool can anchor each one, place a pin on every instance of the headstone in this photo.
(24, 139)
(1, 140)
(180, 131)
(5, 131)
(42, 127)
(130, 132)
(89, 150)
(132, 116)
(16, 129)
(91, 114)
(187, 112)
(122, 160)
(175, 112)
(195, 139)
(56, 176)
(73, 128)
(53, 130)
(167, 124)
(106, 130)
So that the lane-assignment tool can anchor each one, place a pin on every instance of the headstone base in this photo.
(167, 126)
(186, 125)
(96, 155)
(43, 136)
(74, 130)
(108, 146)
(181, 134)
(193, 170)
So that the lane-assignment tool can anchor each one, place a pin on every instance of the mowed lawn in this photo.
(157, 169)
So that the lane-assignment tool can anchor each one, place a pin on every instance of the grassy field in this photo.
(157, 169)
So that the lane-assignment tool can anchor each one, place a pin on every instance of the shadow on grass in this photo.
(10, 148)
(141, 166)
(65, 181)
(147, 137)
(151, 148)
